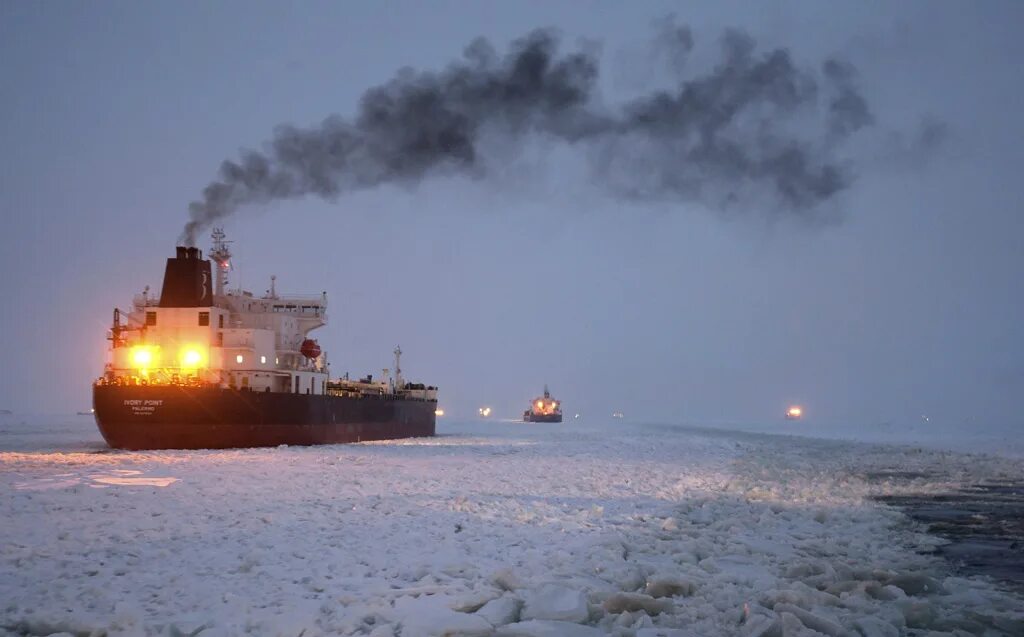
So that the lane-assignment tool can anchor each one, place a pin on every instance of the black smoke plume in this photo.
(756, 131)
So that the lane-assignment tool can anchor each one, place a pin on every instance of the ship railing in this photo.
(145, 300)
(139, 381)
(320, 314)
(302, 296)
(361, 394)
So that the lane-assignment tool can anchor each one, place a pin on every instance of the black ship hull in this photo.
(172, 417)
(531, 417)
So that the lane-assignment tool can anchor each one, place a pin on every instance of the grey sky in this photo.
(115, 115)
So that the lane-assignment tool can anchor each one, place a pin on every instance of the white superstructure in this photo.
(229, 338)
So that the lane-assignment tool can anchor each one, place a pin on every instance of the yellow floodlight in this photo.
(142, 356)
(192, 357)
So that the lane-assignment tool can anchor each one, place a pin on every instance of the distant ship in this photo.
(544, 409)
(202, 368)
(794, 413)
(86, 413)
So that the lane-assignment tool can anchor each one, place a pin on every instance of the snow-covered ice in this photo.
(488, 529)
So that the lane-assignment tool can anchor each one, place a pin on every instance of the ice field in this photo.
(491, 528)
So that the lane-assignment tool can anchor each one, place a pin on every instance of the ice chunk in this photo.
(621, 602)
(643, 620)
(815, 573)
(918, 613)
(625, 577)
(671, 587)
(624, 619)
(472, 601)
(874, 627)
(664, 632)
(442, 621)
(37, 626)
(799, 595)
(884, 593)
(186, 626)
(547, 628)
(429, 616)
(791, 625)
(812, 621)
(557, 602)
(916, 584)
(505, 579)
(762, 626)
(844, 586)
(501, 611)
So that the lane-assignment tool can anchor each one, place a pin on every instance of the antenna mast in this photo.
(221, 254)
(398, 367)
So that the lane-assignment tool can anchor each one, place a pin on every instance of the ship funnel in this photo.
(187, 280)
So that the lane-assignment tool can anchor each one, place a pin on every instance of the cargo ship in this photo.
(544, 409)
(204, 367)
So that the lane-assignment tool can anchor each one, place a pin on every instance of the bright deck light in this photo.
(142, 356)
(191, 357)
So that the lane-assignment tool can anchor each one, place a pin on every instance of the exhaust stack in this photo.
(187, 280)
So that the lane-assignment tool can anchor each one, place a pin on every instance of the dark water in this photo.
(984, 524)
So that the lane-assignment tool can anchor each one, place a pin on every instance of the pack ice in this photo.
(488, 529)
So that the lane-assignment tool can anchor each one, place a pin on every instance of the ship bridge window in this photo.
(204, 319)
(220, 320)
(150, 318)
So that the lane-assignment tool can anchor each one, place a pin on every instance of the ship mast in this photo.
(398, 367)
(221, 255)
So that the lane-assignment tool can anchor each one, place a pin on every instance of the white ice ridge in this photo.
(491, 529)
